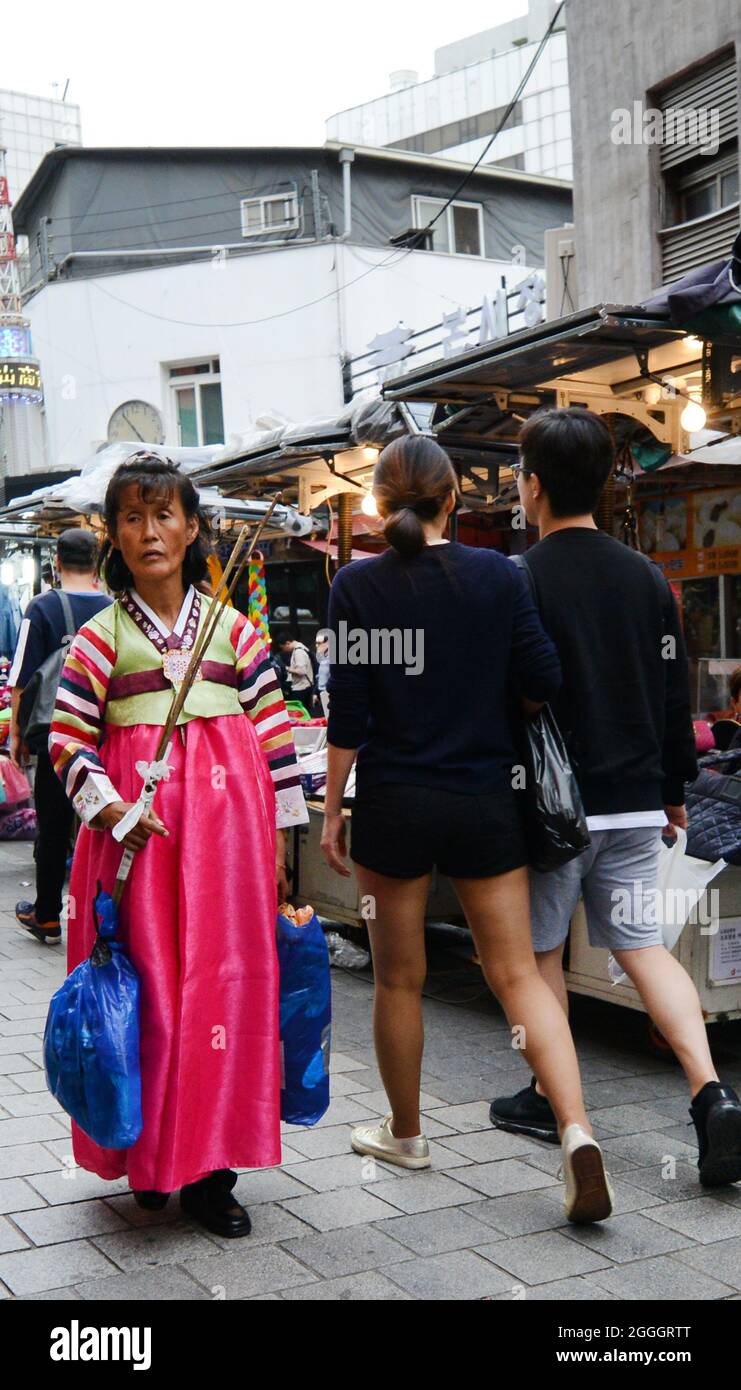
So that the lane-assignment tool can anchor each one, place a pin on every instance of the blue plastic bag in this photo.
(305, 1020)
(91, 1039)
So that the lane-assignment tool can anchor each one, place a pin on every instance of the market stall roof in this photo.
(60, 503)
(605, 336)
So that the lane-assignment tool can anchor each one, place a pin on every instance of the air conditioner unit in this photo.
(562, 291)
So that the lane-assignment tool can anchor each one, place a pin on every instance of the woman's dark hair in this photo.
(411, 481)
(572, 453)
(155, 478)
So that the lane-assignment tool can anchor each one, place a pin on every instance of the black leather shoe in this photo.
(716, 1115)
(211, 1203)
(525, 1113)
(151, 1200)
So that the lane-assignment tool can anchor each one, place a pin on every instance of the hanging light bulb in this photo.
(652, 393)
(693, 417)
(28, 569)
(368, 505)
(694, 344)
(7, 572)
(371, 454)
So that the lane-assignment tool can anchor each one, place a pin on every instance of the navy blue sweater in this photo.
(427, 653)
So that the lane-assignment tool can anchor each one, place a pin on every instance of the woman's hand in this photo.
(18, 751)
(150, 824)
(281, 875)
(333, 843)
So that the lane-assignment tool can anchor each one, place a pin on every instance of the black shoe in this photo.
(716, 1115)
(48, 932)
(210, 1202)
(525, 1113)
(150, 1200)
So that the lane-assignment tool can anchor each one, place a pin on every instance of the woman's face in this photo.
(152, 536)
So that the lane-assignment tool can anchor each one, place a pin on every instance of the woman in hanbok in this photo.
(198, 914)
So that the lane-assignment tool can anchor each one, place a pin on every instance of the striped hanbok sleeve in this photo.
(77, 724)
(261, 698)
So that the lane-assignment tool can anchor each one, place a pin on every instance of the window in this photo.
(196, 390)
(445, 137)
(276, 213)
(708, 190)
(459, 231)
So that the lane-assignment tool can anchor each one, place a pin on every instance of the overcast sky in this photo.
(233, 72)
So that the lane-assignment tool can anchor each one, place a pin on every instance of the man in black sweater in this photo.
(624, 709)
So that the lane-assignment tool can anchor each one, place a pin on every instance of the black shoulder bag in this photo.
(555, 824)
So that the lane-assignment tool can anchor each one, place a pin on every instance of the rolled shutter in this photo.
(713, 87)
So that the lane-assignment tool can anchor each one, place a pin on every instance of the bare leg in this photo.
(497, 910)
(672, 1002)
(399, 967)
(550, 965)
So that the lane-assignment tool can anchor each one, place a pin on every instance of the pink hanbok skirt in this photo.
(198, 920)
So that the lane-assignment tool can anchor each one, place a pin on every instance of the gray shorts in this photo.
(614, 877)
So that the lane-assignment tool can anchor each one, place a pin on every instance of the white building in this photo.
(30, 126)
(253, 280)
(456, 111)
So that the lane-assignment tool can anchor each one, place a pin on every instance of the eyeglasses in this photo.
(519, 468)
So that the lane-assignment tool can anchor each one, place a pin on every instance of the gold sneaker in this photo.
(589, 1195)
(381, 1143)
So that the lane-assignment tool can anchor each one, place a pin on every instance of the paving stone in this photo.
(21, 1043)
(13, 1063)
(536, 1259)
(9, 1085)
(335, 1254)
(370, 1287)
(346, 1170)
(629, 1119)
(520, 1214)
(349, 1083)
(18, 1159)
(378, 1101)
(266, 1185)
(701, 1219)
(663, 1279)
(30, 1129)
(16, 1195)
(51, 1225)
(245, 1273)
(340, 1111)
(340, 1061)
(30, 1081)
(507, 1175)
(647, 1148)
(458, 1275)
(148, 1286)
(427, 1192)
(578, 1290)
(435, 1232)
(271, 1225)
(464, 1118)
(154, 1245)
(73, 1185)
(485, 1145)
(132, 1215)
(329, 1211)
(323, 1143)
(10, 1028)
(629, 1237)
(10, 1237)
(52, 1267)
(36, 1103)
(720, 1260)
(51, 1296)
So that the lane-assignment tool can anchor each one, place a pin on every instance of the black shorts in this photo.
(405, 831)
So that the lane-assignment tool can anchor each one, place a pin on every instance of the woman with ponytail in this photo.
(436, 767)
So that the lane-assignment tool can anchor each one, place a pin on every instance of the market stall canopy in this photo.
(83, 495)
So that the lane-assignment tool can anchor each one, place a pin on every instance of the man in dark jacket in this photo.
(42, 633)
(624, 708)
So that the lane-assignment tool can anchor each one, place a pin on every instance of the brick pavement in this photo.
(485, 1223)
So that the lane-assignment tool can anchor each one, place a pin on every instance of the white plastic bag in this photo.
(681, 881)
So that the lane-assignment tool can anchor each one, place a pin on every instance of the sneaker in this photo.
(716, 1115)
(381, 1143)
(48, 932)
(589, 1195)
(525, 1113)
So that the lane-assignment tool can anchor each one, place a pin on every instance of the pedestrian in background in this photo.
(43, 632)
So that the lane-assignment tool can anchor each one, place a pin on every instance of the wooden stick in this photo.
(199, 649)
